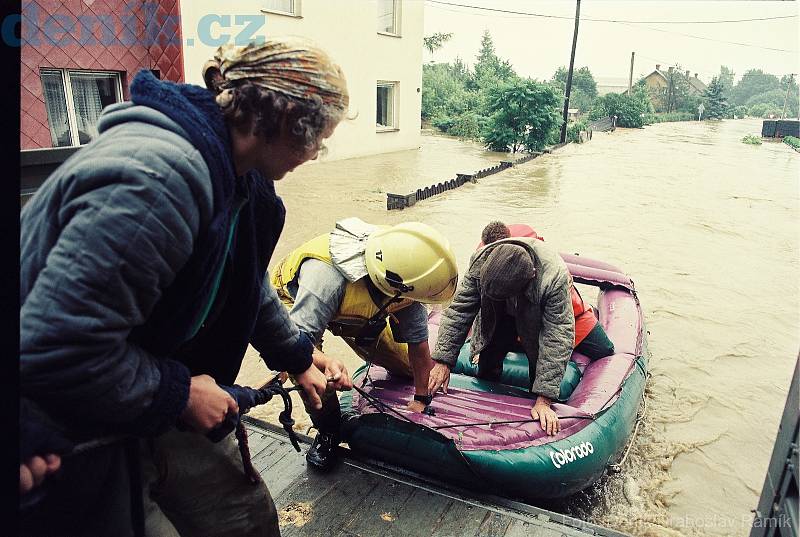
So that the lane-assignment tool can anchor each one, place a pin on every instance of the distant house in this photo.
(572, 114)
(696, 84)
(660, 79)
(611, 85)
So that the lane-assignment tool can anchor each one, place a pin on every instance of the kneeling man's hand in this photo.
(548, 419)
(439, 378)
(415, 406)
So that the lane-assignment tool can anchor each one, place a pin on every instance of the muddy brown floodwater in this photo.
(708, 229)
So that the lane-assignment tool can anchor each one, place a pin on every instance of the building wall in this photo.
(655, 81)
(347, 30)
(606, 89)
(57, 43)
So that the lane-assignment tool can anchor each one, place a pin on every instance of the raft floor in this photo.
(361, 497)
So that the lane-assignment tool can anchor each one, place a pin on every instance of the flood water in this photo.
(708, 229)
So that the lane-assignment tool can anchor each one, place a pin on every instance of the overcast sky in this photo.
(536, 46)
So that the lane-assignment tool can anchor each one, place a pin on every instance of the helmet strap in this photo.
(375, 325)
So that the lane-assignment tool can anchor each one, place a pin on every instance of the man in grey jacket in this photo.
(517, 293)
(143, 280)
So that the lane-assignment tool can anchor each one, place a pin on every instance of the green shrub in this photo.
(792, 141)
(764, 110)
(597, 112)
(574, 131)
(752, 139)
(628, 109)
(443, 123)
(521, 113)
(467, 126)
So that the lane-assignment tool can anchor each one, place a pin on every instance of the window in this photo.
(387, 17)
(386, 116)
(286, 7)
(74, 100)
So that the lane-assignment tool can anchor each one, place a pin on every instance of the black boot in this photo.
(322, 453)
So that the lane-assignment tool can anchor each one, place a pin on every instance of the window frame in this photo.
(70, 101)
(295, 13)
(395, 97)
(395, 21)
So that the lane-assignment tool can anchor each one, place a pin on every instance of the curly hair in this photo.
(249, 106)
(494, 231)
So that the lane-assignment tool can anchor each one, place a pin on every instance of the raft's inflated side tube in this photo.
(515, 459)
(515, 372)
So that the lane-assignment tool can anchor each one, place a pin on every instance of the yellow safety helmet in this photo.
(412, 259)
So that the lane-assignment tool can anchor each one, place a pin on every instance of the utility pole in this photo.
(630, 78)
(569, 75)
(669, 91)
(786, 98)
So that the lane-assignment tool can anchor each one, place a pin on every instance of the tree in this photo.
(740, 112)
(522, 113)
(489, 68)
(629, 109)
(716, 106)
(788, 82)
(444, 92)
(775, 99)
(582, 80)
(436, 41)
(726, 77)
(764, 110)
(753, 82)
(584, 87)
(678, 92)
(674, 95)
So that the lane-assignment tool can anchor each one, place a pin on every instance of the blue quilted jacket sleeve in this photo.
(101, 240)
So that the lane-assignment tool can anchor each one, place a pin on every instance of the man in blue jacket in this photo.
(143, 280)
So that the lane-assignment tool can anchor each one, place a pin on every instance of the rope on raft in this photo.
(501, 422)
(382, 407)
(617, 467)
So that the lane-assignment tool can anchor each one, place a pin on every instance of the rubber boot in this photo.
(322, 454)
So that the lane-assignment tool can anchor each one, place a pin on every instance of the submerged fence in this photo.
(779, 128)
(401, 201)
(604, 124)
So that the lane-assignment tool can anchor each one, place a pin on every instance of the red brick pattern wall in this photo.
(163, 52)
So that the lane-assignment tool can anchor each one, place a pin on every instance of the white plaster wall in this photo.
(347, 30)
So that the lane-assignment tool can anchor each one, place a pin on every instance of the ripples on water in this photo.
(708, 229)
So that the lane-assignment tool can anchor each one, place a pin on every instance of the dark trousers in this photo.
(596, 344)
(328, 419)
(90, 495)
(504, 340)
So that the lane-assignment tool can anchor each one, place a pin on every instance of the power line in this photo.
(529, 14)
(751, 45)
(704, 70)
(633, 23)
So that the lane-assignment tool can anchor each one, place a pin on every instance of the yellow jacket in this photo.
(359, 305)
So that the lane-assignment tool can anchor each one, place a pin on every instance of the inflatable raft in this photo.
(481, 434)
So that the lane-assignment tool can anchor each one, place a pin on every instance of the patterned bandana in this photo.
(294, 66)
